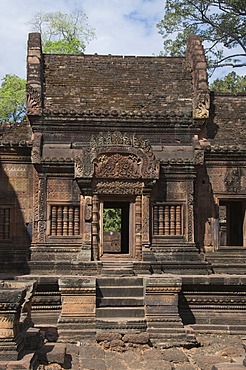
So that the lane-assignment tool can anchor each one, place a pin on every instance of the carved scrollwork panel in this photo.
(118, 187)
(33, 102)
(202, 105)
(118, 166)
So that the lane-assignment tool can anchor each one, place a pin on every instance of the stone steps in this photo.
(168, 337)
(122, 325)
(120, 312)
(120, 304)
(231, 260)
(126, 291)
(118, 281)
(113, 267)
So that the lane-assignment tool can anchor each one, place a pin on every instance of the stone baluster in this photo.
(65, 220)
(156, 220)
(95, 227)
(76, 221)
(178, 220)
(161, 220)
(166, 221)
(70, 221)
(172, 220)
(53, 220)
(59, 221)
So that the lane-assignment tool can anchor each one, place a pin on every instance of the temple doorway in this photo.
(232, 223)
(115, 228)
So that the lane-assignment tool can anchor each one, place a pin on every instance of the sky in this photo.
(122, 27)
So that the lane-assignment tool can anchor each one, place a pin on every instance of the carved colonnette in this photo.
(77, 318)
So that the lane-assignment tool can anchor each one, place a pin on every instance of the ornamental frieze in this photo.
(118, 187)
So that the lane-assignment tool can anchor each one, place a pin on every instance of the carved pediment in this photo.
(117, 165)
(116, 155)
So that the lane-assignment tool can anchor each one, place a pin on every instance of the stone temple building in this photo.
(145, 138)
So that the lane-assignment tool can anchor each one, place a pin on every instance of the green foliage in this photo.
(63, 33)
(12, 98)
(220, 23)
(112, 219)
(230, 83)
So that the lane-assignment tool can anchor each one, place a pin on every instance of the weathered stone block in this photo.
(142, 338)
(100, 337)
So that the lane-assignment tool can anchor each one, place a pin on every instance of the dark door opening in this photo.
(231, 223)
(116, 227)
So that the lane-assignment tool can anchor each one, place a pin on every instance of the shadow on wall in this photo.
(206, 212)
(15, 226)
(185, 311)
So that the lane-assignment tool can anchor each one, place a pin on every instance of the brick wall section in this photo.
(228, 120)
(15, 132)
(113, 82)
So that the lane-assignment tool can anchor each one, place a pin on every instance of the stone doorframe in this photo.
(118, 165)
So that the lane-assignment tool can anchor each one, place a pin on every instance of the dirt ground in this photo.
(212, 349)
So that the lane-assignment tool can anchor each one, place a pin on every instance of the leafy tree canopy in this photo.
(231, 83)
(12, 98)
(112, 219)
(63, 33)
(220, 23)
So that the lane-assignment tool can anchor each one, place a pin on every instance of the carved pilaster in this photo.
(145, 220)
(163, 321)
(36, 147)
(86, 220)
(35, 207)
(190, 212)
(77, 318)
(138, 227)
(42, 210)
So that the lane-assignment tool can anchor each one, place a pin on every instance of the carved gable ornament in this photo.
(33, 101)
(117, 156)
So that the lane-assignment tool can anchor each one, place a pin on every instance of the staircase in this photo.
(176, 259)
(229, 260)
(117, 268)
(169, 332)
(120, 304)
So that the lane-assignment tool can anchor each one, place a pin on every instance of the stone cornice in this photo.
(12, 143)
(116, 113)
